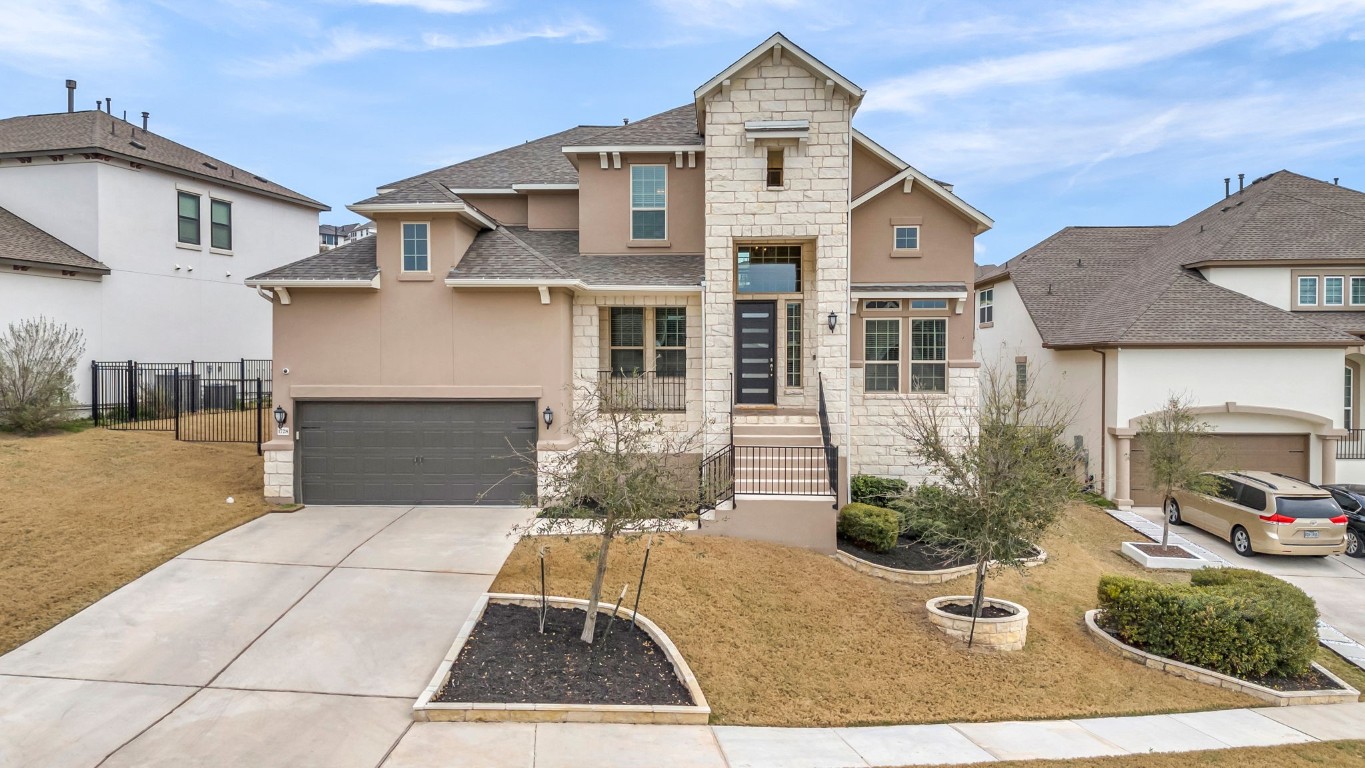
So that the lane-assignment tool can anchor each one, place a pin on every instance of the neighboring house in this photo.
(1253, 309)
(138, 241)
(735, 257)
(332, 235)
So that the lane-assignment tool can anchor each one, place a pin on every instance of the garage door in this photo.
(415, 452)
(1286, 454)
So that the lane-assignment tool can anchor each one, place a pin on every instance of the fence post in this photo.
(194, 388)
(241, 384)
(132, 391)
(175, 384)
(95, 392)
(259, 415)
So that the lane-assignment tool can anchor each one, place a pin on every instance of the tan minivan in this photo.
(1265, 512)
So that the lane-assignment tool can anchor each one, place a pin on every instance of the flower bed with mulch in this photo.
(908, 555)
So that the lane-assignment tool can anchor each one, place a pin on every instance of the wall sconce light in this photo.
(280, 416)
(549, 416)
(833, 321)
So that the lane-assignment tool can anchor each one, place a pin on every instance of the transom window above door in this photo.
(768, 269)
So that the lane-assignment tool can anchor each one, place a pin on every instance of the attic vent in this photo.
(263, 181)
(137, 144)
(207, 164)
(1078, 263)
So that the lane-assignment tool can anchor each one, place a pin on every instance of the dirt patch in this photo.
(908, 555)
(1338, 754)
(783, 636)
(1156, 550)
(83, 514)
(508, 660)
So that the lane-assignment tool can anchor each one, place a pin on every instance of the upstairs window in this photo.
(189, 218)
(648, 201)
(1357, 291)
(670, 342)
(775, 155)
(985, 306)
(1333, 291)
(220, 224)
(416, 248)
(929, 355)
(1308, 291)
(907, 238)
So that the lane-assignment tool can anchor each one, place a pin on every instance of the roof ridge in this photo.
(545, 259)
(424, 174)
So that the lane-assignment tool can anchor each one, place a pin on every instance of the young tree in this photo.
(1178, 453)
(627, 475)
(37, 374)
(1002, 468)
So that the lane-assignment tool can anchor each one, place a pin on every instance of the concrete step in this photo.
(779, 441)
(778, 428)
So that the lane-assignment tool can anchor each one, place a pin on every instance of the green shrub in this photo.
(877, 491)
(1242, 623)
(874, 528)
(917, 508)
(1097, 500)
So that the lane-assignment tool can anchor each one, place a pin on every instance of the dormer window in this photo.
(775, 156)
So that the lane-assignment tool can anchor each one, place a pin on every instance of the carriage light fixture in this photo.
(280, 416)
(548, 416)
(833, 321)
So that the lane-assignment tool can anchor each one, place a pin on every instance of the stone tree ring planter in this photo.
(1002, 633)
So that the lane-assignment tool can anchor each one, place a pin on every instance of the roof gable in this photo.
(675, 127)
(25, 242)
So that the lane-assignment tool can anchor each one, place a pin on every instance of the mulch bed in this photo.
(507, 660)
(1156, 550)
(908, 555)
(965, 609)
(1312, 680)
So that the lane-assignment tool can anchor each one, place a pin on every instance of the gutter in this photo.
(273, 284)
(577, 285)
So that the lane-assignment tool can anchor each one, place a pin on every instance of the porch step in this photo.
(772, 416)
(777, 429)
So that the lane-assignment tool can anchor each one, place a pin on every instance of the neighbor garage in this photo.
(1286, 454)
(415, 452)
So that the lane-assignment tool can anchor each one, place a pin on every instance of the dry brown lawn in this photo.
(779, 636)
(85, 513)
(1337, 754)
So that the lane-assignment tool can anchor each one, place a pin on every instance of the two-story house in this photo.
(139, 241)
(766, 274)
(1252, 310)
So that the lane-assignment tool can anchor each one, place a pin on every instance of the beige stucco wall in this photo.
(868, 170)
(552, 210)
(604, 213)
(508, 210)
(945, 240)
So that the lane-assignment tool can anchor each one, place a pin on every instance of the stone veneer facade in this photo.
(811, 209)
(876, 447)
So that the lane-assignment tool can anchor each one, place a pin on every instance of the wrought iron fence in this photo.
(716, 478)
(200, 401)
(1352, 446)
(781, 470)
(645, 390)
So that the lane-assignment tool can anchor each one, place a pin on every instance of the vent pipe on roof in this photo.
(125, 115)
(99, 105)
(109, 105)
(1240, 185)
(1227, 186)
(625, 121)
(70, 95)
(1336, 181)
(145, 115)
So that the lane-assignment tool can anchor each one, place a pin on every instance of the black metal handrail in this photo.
(781, 470)
(831, 451)
(716, 478)
(1352, 446)
(643, 390)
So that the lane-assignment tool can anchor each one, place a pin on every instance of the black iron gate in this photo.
(210, 402)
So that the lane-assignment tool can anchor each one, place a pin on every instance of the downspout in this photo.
(266, 294)
(846, 480)
(1104, 413)
(705, 410)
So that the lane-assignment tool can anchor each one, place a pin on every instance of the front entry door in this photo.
(756, 352)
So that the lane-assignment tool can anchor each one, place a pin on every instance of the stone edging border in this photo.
(426, 710)
(1155, 562)
(900, 576)
(1007, 633)
(1209, 677)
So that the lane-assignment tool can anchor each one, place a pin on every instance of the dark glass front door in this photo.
(756, 352)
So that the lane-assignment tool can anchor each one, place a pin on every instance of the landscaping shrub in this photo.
(874, 528)
(1243, 623)
(917, 510)
(877, 491)
(37, 368)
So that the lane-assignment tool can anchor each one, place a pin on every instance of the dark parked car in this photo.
(1351, 498)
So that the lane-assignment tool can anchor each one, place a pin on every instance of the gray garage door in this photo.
(415, 452)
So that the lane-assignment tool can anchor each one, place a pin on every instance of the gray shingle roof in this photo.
(518, 253)
(676, 127)
(1096, 286)
(422, 191)
(352, 261)
(534, 162)
(22, 241)
(1350, 322)
(69, 132)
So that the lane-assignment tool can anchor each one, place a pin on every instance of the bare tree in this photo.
(37, 373)
(1003, 469)
(629, 473)
(1179, 451)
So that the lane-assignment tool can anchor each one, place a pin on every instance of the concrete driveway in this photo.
(294, 640)
(1337, 583)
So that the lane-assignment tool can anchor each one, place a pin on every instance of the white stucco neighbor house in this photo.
(140, 242)
(1254, 309)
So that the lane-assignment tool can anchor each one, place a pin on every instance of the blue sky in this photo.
(1044, 114)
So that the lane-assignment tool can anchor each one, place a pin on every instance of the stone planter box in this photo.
(918, 577)
(1008, 633)
(1145, 560)
(1344, 695)
(427, 710)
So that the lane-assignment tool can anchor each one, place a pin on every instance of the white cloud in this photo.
(435, 6)
(578, 31)
(81, 34)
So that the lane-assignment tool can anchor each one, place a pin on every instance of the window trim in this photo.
(214, 201)
(911, 356)
(895, 237)
(180, 218)
(630, 192)
(1298, 297)
(985, 306)
(898, 362)
(1341, 279)
(403, 244)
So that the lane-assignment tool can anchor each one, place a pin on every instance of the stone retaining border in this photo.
(900, 576)
(1007, 633)
(426, 710)
(1209, 677)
